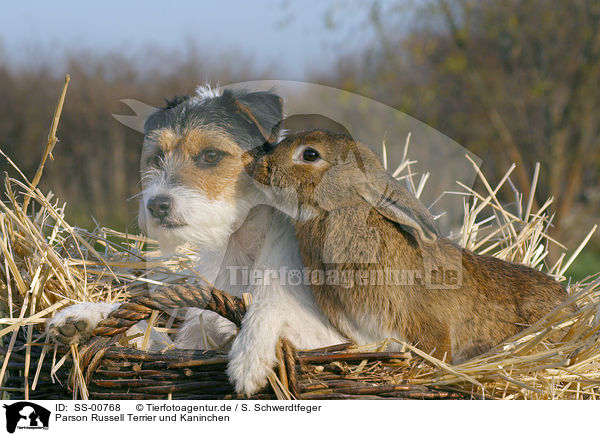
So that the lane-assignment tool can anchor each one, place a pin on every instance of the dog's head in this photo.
(194, 184)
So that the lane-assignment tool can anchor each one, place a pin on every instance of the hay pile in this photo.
(525, 366)
(46, 264)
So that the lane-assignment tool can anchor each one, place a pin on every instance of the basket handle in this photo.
(171, 297)
(111, 329)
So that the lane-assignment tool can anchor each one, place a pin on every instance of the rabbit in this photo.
(353, 220)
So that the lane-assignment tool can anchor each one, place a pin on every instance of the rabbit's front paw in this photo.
(75, 324)
(249, 367)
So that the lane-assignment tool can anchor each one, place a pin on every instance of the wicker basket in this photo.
(112, 371)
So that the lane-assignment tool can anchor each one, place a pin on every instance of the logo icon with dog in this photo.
(26, 415)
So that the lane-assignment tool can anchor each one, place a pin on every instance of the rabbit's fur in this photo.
(354, 219)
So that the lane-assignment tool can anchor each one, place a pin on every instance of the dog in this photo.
(196, 190)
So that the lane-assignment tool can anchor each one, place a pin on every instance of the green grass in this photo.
(587, 263)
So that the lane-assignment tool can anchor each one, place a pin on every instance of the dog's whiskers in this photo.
(134, 196)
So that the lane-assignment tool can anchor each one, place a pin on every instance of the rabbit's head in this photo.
(315, 172)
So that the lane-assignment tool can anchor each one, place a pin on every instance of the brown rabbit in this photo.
(376, 262)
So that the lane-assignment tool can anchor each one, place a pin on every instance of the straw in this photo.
(46, 263)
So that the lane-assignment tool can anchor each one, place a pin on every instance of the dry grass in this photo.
(526, 366)
(46, 264)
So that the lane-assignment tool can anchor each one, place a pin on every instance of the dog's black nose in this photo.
(159, 206)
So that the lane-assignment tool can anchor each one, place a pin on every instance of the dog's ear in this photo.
(264, 110)
(393, 201)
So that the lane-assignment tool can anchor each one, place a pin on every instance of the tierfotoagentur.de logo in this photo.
(24, 415)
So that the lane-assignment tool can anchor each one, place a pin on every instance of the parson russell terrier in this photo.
(196, 191)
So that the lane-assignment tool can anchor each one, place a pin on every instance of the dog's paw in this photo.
(249, 366)
(249, 371)
(75, 324)
(70, 331)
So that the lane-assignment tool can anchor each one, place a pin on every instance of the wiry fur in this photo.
(217, 209)
(207, 91)
(349, 229)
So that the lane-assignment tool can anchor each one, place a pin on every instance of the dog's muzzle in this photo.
(159, 206)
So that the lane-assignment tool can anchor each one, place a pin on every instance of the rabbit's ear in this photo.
(393, 201)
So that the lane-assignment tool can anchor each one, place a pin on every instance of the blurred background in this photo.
(511, 81)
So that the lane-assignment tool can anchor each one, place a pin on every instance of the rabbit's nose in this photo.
(159, 206)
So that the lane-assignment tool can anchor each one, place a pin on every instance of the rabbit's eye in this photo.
(310, 155)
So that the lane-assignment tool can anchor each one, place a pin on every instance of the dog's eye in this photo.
(209, 156)
(310, 155)
(156, 159)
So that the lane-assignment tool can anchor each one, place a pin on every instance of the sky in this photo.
(294, 36)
